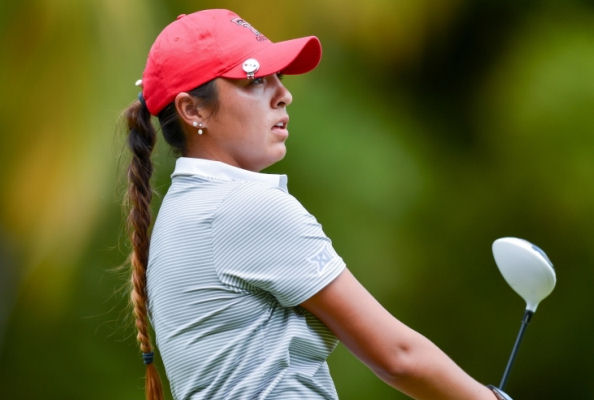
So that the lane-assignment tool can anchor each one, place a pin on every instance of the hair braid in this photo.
(141, 140)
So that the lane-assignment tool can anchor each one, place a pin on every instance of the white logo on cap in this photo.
(247, 25)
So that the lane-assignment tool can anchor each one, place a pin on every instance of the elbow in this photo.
(399, 365)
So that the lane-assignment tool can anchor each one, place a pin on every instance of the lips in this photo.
(282, 124)
(280, 128)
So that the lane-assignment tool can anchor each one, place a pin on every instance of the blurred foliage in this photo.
(429, 130)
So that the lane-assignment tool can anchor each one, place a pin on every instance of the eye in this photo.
(280, 76)
(257, 81)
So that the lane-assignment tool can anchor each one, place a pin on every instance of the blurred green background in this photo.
(430, 129)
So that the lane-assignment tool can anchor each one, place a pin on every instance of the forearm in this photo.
(423, 371)
(399, 355)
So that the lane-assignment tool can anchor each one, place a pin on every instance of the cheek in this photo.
(251, 126)
(243, 121)
(240, 119)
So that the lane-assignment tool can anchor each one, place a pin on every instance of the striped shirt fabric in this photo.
(232, 256)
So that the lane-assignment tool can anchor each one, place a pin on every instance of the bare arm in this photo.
(397, 354)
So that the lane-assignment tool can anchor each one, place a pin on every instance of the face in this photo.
(249, 128)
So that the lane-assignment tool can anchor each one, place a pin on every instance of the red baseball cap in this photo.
(199, 47)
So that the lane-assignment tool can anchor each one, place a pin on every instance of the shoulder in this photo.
(251, 202)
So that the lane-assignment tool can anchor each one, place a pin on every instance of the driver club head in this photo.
(526, 268)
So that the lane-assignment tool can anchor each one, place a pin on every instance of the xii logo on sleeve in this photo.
(323, 257)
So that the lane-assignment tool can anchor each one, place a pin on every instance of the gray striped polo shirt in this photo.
(232, 256)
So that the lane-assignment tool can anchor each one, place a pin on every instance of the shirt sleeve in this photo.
(264, 238)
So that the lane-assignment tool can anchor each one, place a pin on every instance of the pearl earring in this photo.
(199, 126)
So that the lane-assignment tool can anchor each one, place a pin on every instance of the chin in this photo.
(278, 156)
(281, 154)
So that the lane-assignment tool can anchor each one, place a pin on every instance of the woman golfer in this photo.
(246, 295)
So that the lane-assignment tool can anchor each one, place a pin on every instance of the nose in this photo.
(282, 97)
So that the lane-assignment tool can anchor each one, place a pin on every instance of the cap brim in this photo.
(291, 57)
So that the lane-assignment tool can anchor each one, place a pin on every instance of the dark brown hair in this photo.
(141, 141)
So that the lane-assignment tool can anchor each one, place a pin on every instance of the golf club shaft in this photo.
(527, 316)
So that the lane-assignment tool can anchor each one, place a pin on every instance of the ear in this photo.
(187, 108)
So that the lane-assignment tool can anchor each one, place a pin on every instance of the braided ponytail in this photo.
(141, 141)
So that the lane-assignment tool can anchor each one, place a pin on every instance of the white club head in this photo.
(526, 268)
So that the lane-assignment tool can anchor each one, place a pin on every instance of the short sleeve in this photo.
(264, 238)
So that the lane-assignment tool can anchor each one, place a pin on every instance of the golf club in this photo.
(528, 270)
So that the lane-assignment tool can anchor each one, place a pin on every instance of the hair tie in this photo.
(141, 99)
(148, 358)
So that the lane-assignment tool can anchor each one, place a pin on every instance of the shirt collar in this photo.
(216, 170)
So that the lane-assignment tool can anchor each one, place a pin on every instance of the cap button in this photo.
(250, 67)
(180, 16)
